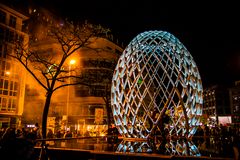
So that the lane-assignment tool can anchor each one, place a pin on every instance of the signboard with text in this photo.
(98, 115)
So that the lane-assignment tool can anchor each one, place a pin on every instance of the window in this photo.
(1, 83)
(2, 68)
(13, 21)
(5, 84)
(19, 38)
(13, 88)
(5, 87)
(1, 50)
(8, 105)
(3, 104)
(1, 34)
(11, 104)
(2, 17)
(8, 95)
(1, 86)
(8, 88)
(9, 35)
(11, 85)
(4, 53)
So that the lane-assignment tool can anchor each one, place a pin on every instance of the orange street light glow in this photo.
(72, 61)
(7, 73)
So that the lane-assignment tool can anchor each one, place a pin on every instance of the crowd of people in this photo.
(18, 144)
(215, 141)
(218, 140)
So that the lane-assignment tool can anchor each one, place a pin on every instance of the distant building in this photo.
(12, 75)
(234, 94)
(216, 101)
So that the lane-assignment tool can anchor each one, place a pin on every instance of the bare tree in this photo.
(50, 69)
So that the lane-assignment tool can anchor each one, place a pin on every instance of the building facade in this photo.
(234, 94)
(216, 102)
(12, 75)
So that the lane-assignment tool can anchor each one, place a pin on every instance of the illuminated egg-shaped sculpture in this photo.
(156, 86)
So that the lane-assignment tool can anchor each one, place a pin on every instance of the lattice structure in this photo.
(179, 147)
(156, 88)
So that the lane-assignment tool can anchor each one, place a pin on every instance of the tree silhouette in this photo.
(50, 68)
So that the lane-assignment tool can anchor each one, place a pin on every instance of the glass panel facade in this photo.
(8, 85)
(11, 76)
(8, 95)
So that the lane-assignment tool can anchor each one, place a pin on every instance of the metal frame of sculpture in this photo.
(156, 95)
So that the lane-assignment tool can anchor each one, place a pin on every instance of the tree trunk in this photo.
(45, 114)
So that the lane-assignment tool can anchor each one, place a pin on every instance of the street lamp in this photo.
(7, 72)
(72, 62)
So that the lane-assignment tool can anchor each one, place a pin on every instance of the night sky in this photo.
(210, 31)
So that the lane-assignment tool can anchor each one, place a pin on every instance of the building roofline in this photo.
(6, 8)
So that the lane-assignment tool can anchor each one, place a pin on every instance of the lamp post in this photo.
(72, 62)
